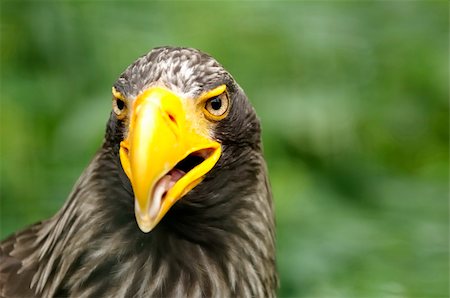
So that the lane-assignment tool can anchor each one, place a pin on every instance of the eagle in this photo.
(175, 203)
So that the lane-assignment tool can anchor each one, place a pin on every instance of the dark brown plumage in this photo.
(217, 240)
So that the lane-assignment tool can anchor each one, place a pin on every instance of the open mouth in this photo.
(183, 167)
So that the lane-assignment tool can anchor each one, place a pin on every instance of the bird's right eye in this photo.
(119, 104)
(119, 107)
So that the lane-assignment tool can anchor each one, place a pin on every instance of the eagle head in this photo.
(180, 119)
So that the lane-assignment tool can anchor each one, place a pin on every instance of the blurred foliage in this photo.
(353, 98)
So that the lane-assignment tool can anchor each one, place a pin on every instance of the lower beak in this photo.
(163, 155)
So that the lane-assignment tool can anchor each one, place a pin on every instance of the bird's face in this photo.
(168, 147)
(169, 116)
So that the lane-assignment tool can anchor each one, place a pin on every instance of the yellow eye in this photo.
(119, 104)
(216, 107)
(119, 108)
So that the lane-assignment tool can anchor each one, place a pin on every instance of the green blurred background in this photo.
(353, 99)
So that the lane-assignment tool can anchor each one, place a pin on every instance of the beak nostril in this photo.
(172, 118)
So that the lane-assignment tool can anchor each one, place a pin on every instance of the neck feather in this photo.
(207, 245)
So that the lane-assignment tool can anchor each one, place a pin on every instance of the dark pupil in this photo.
(216, 103)
(120, 104)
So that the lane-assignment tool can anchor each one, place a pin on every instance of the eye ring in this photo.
(119, 107)
(119, 104)
(216, 107)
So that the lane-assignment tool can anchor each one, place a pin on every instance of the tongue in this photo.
(176, 175)
(161, 188)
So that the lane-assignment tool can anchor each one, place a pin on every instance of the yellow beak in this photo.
(163, 155)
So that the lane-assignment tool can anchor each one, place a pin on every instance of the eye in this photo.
(216, 107)
(120, 104)
(119, 108)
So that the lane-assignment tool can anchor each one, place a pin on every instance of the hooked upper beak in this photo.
(163, 155)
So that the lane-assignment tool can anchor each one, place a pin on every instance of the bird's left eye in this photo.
(216, 107)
